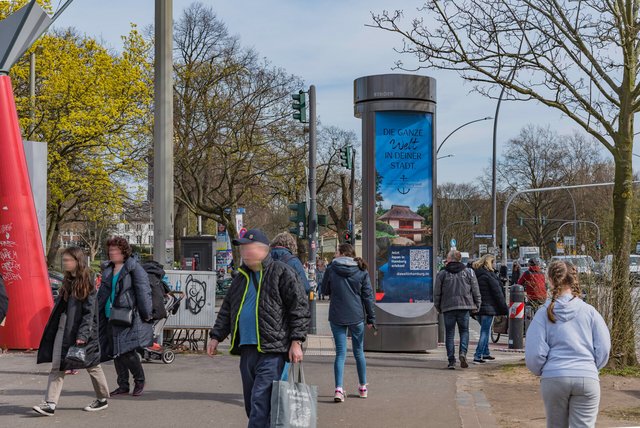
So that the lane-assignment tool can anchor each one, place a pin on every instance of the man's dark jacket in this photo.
(282, 308)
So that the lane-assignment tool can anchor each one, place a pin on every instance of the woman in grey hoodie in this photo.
(567, 344)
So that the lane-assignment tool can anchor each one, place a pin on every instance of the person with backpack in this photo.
(347, 282)
(284, 248)
(567, 345)
(124, 302)
(535, 285)
(455, 295)
(73, 322)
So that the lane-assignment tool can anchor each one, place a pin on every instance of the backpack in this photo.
(159, 289)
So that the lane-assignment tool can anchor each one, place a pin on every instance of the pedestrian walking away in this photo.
(456, 295)
(515, 272)
(492, 304)
(73, 324)
(266, 313)
(126, 315)
(284, 248)
(347, 282)
(567, 344)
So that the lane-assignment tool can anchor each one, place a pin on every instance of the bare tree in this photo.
(579, 57)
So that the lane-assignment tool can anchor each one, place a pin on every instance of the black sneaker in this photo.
(452, 365)
(44, 409)
(138, 389)
(96, 406)
(488, 357)
(463, 361)
(119, 391)
(478, 361)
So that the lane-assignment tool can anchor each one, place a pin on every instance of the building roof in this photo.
(400, 212)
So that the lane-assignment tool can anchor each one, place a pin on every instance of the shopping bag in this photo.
(294, 404)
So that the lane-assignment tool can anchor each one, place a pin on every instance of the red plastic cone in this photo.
(22, 262)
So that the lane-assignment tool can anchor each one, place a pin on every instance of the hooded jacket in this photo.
(283, 255)
(456, 288)
(351, 293)
(282, 308)
(577, 345)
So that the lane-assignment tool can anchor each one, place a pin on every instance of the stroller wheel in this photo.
(168, 356)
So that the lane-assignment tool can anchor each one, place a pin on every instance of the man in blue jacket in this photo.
(284, 248)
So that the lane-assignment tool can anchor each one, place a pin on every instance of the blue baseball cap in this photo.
(251, 237)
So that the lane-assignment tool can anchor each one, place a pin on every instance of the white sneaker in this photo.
(339, 395)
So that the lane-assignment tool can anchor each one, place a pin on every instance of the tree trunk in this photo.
(623, 351)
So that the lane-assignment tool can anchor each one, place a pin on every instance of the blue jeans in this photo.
(258, 373)
(461, 319)
(357, 340)
(485, 331)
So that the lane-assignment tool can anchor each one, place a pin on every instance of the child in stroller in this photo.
(157, 351)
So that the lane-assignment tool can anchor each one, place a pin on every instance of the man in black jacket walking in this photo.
(266, 314)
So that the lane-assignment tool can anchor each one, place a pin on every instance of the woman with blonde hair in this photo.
(567, 344)
(493, 304)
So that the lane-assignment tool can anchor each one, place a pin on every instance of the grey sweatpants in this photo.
(570, 402)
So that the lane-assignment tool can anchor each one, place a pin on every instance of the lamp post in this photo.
(459, 128)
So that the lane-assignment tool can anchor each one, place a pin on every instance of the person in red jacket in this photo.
(534, 284)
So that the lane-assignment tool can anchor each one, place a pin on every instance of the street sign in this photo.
(483, 249)
(559, 248)
(483, 235)
(453, 243)
(638, 247)
(570, 241)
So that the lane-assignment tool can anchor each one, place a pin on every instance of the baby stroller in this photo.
(157, 351)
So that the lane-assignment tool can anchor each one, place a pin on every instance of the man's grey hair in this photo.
(454, 256)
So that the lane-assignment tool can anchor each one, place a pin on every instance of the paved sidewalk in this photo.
(407, 390)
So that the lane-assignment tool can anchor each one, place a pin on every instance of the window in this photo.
(138, 239)
(150, 226)
(151, 240)
(126, 227)
(138, 226)
(406, 224)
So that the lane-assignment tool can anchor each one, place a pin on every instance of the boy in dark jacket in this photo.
(455, 295)
(266, 313)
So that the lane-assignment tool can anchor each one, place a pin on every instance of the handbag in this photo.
(294, 404)
(122, 317)
(76, 354)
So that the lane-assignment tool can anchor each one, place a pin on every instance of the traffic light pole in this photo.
(313, 217)
(353, 198)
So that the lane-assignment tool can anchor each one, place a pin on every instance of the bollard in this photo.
(313, 329)
(516, 317)
(441, 330)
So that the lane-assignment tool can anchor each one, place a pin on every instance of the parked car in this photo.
(584, 264)
(55, 279)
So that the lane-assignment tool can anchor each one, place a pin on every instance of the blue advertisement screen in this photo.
(404, 219)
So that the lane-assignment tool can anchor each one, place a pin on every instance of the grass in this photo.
(625, 414)
(624, 372)
(509, 368)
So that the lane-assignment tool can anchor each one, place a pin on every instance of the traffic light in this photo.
(476, 220)
(346, 160)
(520, 221)
(300, 106)
(599, 245)
(346, 237)
(298, 218)
(544, 220)
(322, 220)
(513, 243)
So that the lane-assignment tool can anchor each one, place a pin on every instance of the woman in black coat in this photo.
(125, 288)
(493, 303)
(73, 322)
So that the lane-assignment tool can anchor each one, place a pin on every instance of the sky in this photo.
(327, 43)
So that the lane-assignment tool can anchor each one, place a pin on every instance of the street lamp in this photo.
(458, 128)
(446, 156)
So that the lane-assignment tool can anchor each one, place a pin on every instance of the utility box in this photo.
(198, 253)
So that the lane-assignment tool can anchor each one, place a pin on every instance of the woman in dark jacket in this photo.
(515, 272)
(73, 322)
(125, 289)
(347, 281)
(493, 303)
